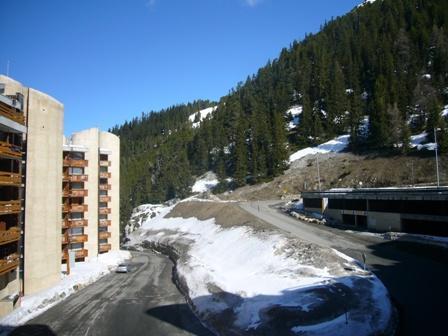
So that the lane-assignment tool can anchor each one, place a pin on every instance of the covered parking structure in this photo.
(412, 210)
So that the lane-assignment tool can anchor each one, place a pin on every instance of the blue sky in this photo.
(110, 60)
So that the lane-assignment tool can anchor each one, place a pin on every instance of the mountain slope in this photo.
(386, 61)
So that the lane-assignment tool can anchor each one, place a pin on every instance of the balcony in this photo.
(104, 222)
(10, 179)
(104, 211)
(9, 236)
(75, 193)
(104, 198)
(11, 113)
(10, 207)
(9, 263)
(104, 163)
(105, 187)
(78, 238)
(78, 254)
(10, 151)
(104, 235)
(105, 247)
(74, 223)
(75, 163)
(105, 175)
(74, 208)
(75, 178)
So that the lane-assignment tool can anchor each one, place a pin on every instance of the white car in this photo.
(122, 268)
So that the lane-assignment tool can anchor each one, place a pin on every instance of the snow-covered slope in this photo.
(202, 114)
(241, 279)
(335, 145)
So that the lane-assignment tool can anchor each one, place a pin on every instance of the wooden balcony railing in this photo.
(105, 175)
(64, 239)
(11, 113)
(10, 207)
(75, 163)
(105, 187)
(9, 263)
(78, 238)
(78, 254)
(9, 236)
(75, 178)
(104, 198)
(73, 223)
(104, 211)
(75, 208)
(104, 163)
(104, 235)
(75, 193)
(10, 151)
(104, 222)
(105, 247)
(10, 179)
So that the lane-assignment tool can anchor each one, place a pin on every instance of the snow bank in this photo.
(336, 145)
(83, 274)
(140, 214)
(205, 183)
(235, 274)
(202, 115)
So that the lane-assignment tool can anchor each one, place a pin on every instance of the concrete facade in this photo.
(42, 251)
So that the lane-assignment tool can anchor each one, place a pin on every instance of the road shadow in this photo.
(416, 280)
(28, 330)
(180, 316)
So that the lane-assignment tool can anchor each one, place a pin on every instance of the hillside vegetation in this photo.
(385, 61)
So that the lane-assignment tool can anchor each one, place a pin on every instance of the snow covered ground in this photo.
(205, 183)
(83, 274)
(202, 114)
(245, 279)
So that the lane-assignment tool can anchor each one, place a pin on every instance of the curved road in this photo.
(415, 275)
(142, 302)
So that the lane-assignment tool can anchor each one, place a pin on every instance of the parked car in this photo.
(122, 268)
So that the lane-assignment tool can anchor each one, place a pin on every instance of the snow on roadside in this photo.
(202, 115)
(246, 273)
(205, 183)
(82, 275)
(336, 145)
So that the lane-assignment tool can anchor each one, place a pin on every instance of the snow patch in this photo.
(205, 183)
(202, 114)
(294, 113)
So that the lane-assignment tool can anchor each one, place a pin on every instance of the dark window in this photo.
(312, 203)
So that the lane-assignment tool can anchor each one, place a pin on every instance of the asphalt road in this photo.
(415, 275)
(142, 302)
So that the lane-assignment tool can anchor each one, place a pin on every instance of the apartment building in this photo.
(90, 193)
(35, 161)
(12, 130)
